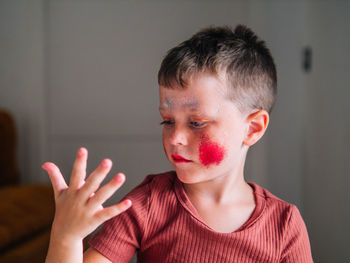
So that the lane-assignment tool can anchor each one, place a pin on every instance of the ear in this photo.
(257, 124)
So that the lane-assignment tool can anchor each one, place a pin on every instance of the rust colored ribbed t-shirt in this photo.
(163, 226)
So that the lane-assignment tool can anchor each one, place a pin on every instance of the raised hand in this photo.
(79, 209)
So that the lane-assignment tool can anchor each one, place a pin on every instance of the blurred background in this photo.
(84, 73)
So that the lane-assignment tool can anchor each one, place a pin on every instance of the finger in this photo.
(107, 190)
(111, 211)
(79, 169)
(96, 177)
(57, 180)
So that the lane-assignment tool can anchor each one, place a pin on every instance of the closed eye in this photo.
(167, 122)
(197, 124)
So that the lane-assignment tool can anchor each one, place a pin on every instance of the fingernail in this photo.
(82, 151)
(106, 163)
(120, 178)
(45, 166)
(127, 202)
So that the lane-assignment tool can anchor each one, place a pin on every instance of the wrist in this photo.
(65, 240)
(64, 248)
(61, 235)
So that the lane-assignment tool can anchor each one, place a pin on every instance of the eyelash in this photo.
(194, 124)
(166, 123)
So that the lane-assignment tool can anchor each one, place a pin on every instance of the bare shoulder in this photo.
(93, 256)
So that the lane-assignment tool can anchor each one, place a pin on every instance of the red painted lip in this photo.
(180, 159)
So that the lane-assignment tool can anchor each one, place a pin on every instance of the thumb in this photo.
(57, 180)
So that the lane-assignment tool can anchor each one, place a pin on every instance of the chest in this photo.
(225, 219)
(185, 236)
(187, 239)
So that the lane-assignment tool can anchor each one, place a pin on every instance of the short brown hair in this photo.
(243, 58)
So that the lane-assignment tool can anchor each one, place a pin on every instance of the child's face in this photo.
(203, 131)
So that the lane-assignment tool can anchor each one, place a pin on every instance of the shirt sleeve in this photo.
(120, 237)
(296, 241)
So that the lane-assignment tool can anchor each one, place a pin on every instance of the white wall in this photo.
(327, 130)
(22, 80)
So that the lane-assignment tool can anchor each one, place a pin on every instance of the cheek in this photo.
(165, 138)
(210, 152)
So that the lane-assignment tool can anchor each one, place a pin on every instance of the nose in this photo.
(179, 136)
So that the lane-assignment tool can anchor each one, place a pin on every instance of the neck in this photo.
(227, 188)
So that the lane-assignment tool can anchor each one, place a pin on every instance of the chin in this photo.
(188, 177)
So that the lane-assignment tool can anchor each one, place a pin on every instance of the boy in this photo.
(216, 92)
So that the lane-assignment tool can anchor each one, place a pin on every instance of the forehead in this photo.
(201, 90)
(172, 102)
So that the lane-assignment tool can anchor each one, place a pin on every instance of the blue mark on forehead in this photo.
(178, 103)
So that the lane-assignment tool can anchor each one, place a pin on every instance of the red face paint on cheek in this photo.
(210, 152)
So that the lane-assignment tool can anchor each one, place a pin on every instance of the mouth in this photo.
(180, 159)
